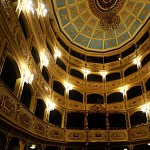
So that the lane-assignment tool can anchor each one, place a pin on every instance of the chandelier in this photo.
(106, 11)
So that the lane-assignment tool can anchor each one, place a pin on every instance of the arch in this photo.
(59, 87)
(45, 74)
(148, 85)
(52, 148)
(143, 39)
(145, 60)
(2, 140)
(49, 47)
(96, 121)
(35, 55)
(10, 73)
(26, 95)
(61, 64)
(138, 118)
(24, 24)
(14, 144)
(117, 120)
(76, 73)
(75, 120)
(134, 92)
(75, 95)
(55, 117)
(113, 76)
(94, 77)
(142, 147)
(130, 70)
(40, 108)
(95, 98)
(114, 97)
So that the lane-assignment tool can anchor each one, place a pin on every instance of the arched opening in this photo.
(14, 144)
(59, 88)
(23, 23)
(35, 55)
(10, 73)
(49, 48)
(112, 58)
(117, 120)
(45, 74)
(130, 70)
(143, 39)
(142, 147)
(52, 148)
(96, 121)
(114, 97)
(40, 108)
(2, 140)
(26, 95)
(148, 85)
(113, 76)
(94, 77)
(95, 98)
(145, 60)
(61, 64)
(55, 117)
(134, 92)
(128, 51)
(75, 120)
(138, 118)
(75, 95)
(76, 74)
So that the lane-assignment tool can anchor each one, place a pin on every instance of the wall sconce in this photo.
(137, 62)
(57, 52)
(33, 146)
(28, 77)
(42, 11)
(85, 71)
(45, 60)
(27, 5)
(103, 74)
(50, 105)
(68, 86)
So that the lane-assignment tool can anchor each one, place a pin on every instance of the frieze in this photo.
(121, 135)
(113, 84)
(75, 135)
(116, 106)
(40, 128)
(135, 102)
(7, 105)
(98, 135)
(98, 107)
(75, 105)
(57, 134)
(25, 120)
(139, 133)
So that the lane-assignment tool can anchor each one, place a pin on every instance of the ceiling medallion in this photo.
(106, 11)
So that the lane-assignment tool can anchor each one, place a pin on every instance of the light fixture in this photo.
(33, 146)
(50, 105)
(42, 11)
(137, 62)
(45, 60)
(103, 73)
(149, 144)
(57, 52)
(85, 71)
(68, 86)
(27, 5)
(125, 149)
(28, 77)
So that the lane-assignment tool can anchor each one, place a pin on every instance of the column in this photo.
(63, 125)
(8, 138)
(22, 144)
(107, 121)
(131, 147)
(128, 124)
(33, 103)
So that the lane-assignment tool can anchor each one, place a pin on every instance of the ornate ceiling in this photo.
(79, 21)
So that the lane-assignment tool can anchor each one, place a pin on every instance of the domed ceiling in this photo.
(81, 21)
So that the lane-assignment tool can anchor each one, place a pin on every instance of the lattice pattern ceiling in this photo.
(82, 28)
